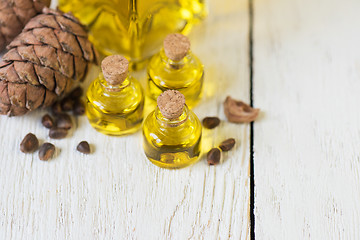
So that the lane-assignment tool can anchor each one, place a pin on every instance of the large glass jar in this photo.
(134, 28)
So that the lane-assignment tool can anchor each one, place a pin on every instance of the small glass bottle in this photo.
(172, 132)
(115, 100)
(175, 67)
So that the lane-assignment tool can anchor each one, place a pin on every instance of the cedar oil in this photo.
(175, 67)
(172, 133)
(115, 100)
(134, 28)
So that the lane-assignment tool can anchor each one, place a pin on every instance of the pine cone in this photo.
(14, 14)
(44, 62)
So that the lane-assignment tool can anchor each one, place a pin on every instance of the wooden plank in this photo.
(115, 192)
(306, 147)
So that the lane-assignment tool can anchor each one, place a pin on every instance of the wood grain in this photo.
(307, 69)
(115, 193)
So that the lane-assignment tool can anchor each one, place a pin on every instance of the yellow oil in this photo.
(186, 76)
(134, 28)
(172, 144)
(115, 110)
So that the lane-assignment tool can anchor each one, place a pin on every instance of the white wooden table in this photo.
(294, 173)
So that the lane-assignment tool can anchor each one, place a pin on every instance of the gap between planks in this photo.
(251, 69)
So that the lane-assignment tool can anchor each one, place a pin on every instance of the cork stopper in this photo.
(115, 69)
(176, 46)
(171, 104)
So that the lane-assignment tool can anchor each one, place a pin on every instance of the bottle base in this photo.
(116, 133)
(174, 161)
(193, 93)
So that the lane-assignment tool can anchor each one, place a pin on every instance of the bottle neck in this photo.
(114, 88)
(163, 121)
(171, 63)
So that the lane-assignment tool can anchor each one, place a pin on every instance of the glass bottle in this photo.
(134, 28)
(115, 100)
(176, 67)
(172, 132)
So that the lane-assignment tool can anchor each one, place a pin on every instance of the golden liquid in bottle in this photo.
(134, 28)
(115, 110)
(169, 145)
(186, 76)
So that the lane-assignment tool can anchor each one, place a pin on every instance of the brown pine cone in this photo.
(44, 62)
(14, 14)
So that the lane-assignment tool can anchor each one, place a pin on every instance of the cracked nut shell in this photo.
(239, 112)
